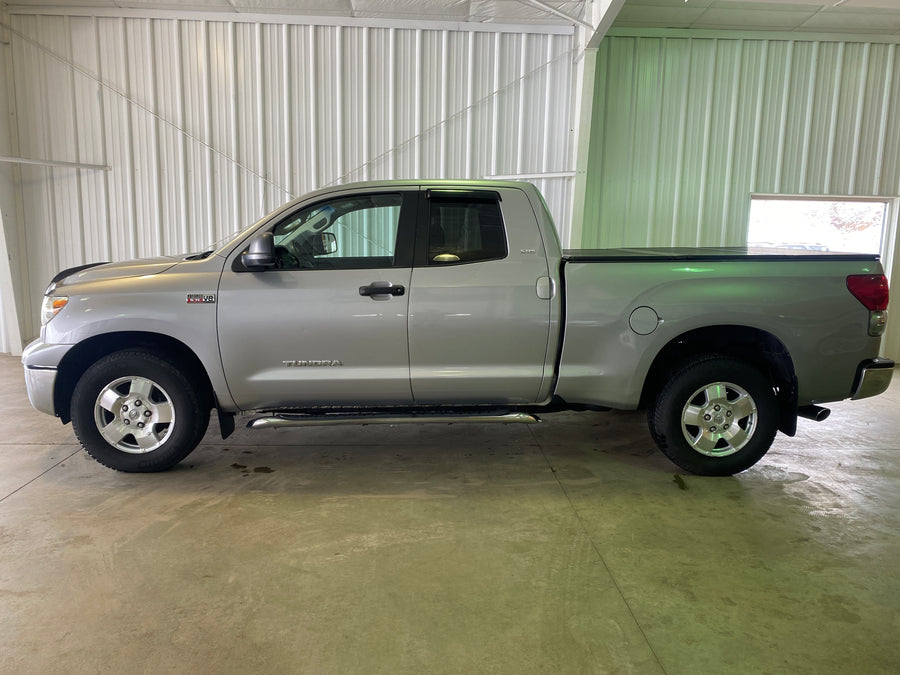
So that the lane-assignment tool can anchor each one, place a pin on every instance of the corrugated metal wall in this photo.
(207, 125)
(685, 129)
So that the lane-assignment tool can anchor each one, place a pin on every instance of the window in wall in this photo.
(817, 224)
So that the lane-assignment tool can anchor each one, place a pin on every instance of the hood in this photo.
(119, 270)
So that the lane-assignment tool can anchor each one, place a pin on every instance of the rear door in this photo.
(479, 313)
(328, 325)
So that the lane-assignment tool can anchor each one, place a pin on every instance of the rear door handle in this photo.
(381, 288)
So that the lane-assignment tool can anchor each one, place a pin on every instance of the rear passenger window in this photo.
(464, 231)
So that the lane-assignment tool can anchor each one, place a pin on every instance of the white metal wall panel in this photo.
(685, 129)
(207, 125)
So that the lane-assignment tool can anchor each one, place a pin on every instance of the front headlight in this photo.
(51, 306)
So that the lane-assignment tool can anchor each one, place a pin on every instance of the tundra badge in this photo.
(300, 363)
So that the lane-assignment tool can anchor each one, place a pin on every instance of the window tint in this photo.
(357, 232)
(465, 231)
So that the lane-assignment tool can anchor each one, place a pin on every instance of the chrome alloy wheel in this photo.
(134, 414)
(719, 419)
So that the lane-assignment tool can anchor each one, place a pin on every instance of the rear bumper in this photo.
(873, 376)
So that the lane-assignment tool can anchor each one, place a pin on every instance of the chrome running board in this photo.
(295, 420)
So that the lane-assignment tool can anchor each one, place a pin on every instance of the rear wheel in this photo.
(134, 411)
(717, 416)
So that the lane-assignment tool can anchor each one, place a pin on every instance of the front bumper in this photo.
(873, 377)
(41, 362)
(41, 384)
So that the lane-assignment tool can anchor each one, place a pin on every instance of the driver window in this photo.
(354, 232)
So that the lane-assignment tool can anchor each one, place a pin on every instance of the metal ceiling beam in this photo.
(293, 19)
(606, 21)
(555, 12)
(52, 162)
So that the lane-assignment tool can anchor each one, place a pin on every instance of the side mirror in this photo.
(261, 253)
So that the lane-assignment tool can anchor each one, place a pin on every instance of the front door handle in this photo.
(381, 288)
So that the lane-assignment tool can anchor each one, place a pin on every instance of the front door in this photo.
(328, 325)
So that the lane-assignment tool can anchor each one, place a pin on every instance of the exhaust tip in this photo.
(813, 412)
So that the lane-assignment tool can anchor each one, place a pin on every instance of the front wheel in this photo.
(134, 411)
(716, 416)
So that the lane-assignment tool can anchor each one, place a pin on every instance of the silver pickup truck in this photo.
(414, 301)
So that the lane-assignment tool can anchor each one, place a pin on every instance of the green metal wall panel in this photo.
(686, 128)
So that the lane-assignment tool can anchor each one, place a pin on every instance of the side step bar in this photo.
(288, 420)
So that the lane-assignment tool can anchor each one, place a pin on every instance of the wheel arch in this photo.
(78, 359)
(755, 346)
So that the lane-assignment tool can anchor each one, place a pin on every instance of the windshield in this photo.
(225, 244)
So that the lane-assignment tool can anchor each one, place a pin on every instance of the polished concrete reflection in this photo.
(569, 546)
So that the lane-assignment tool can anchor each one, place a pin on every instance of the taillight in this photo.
(870, 289)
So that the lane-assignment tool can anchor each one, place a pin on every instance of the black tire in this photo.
(736, 406)
(136, 412)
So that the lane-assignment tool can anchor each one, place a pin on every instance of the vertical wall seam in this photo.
(832, 122)
(857, 131)
(682, 135)
(233, 118)
(156, 158)
(757, 122)
(885, 114)
(495, 99)
(662, 60)
(548, 98)
(262, 170)
(79, 192)
(600, 227)
(128, 145)
(632, 132)
(181, 173)
(339, 112)
(312, 68)
(392, 87)
(207, 132)
(23, 303)
(470, 96)
(287, 127)
(656, 135)
(782, 121)
(417, 121)
(366, 106)
(47, 174)
(445, 84)
(728, 187)
(104, 146)
(807, 122)
(707, 130)
(520, 107)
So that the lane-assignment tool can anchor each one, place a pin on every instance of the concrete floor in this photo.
(567, 547)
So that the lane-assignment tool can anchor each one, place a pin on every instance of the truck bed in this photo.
(708, 254)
